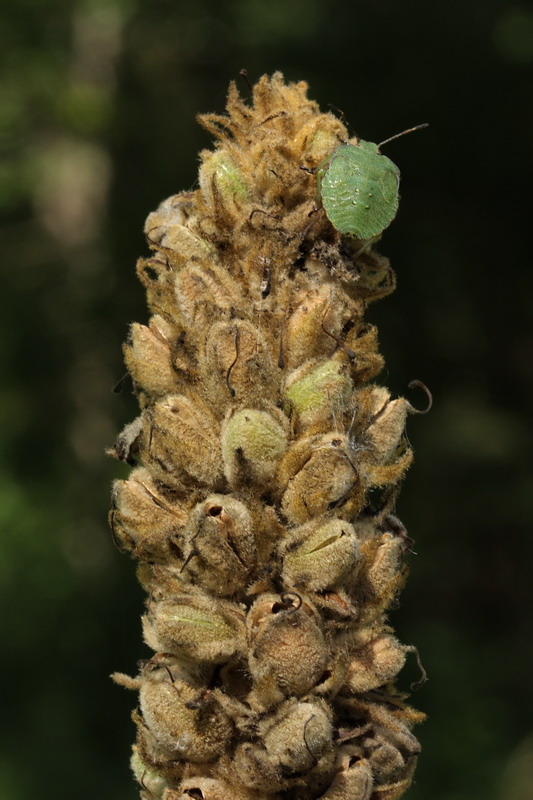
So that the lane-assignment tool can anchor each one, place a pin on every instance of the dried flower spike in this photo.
(268, 567)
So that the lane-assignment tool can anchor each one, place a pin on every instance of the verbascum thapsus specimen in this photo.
(266, 465)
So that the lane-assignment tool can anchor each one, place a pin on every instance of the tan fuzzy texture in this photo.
(266, 466)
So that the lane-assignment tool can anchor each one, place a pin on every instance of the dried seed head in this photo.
(270, 467)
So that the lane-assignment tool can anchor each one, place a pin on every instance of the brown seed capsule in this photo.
(142, 520)
(186, 723)
(287, 653)
(386, 425)
(252, 768)
(195, 627)
(129, 442)
(201, 788)
(297, 736)
(320, 475)
(174, 210)
(204, 294)
(182, 442)
(388, 764)
(387, 569)
(221, 545)
(239, 364)
(147, 354)
(375, 664)
(354, 780)
(319, 555)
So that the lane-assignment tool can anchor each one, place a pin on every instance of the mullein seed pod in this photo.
(151, 780)
(220, 177)
(147, 355)
(221, 545)
(184, 724)
(181, 439)
(353, 781)
(319, 557)
(375, 664)
(320, 476)
(253, 443)
(195, 627)
(287, 648)
(239, 364)
(315, 391)
(266, 468)
(143, 521)
(203, 788)
(298, 736)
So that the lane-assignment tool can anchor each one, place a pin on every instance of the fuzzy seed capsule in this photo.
(253, 442)
(316, 391)
(354, 781)
(320, 557)
(149, 778)
(387, 424)
(201, 788)
(298, 736)
(321, 476)
(148, 357)
(142, 520)
(182, 442)
(375, 664)
(221, 551)
(288, 653)
(220, 176)
(204, 293)
(195, 627)
(239, 364)
(185, 724)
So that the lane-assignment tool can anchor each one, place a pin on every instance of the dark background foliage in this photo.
(97, 106)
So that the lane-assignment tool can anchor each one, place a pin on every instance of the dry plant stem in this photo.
(266, 468)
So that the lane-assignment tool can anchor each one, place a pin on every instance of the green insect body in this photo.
(358, 187)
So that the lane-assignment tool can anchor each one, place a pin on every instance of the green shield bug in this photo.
(358, 187)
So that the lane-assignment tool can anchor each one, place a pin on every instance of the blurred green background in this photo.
(97, 107)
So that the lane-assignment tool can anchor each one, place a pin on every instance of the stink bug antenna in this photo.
(244, 75)
(343, 118)
(409, 130)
